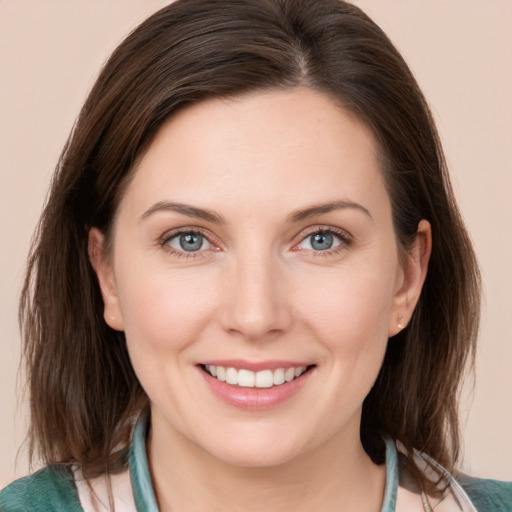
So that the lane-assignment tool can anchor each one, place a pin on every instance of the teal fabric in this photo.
(142, 486)
(487, 495)
(49, 490)
(389, 502)
(52, 489)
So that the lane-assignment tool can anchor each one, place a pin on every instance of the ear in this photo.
(411, 278)
(105, 274)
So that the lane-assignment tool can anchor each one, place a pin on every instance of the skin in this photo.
(259, 291)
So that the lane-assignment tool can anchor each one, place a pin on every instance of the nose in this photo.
(257, 305)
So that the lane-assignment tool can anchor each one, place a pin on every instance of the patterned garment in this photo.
(58, 489)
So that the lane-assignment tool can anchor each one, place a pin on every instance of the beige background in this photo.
(461, 53)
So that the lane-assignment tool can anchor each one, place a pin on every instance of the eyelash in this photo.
(164, 242)
(346, 241)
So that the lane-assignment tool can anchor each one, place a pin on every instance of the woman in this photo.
(251, 278)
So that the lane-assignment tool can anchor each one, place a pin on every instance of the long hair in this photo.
(84, 393)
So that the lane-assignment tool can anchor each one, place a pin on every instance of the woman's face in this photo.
(255, 243)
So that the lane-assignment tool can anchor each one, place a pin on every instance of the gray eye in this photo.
(189, 242)
(321, 241)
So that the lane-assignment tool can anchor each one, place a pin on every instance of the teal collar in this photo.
(142, 487)
(144, 495)
(389, 503)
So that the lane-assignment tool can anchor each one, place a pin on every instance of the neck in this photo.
(337, 475)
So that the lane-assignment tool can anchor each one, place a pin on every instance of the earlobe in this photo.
(413, 273)
(105, 275)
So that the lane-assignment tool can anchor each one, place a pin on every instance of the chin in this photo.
(255, 453)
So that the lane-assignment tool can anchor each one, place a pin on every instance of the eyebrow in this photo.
(211, 216)
(184, 209)
(320, 209)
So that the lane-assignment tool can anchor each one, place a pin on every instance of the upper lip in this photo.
(255, 366)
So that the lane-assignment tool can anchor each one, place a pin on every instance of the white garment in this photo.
(94, 494)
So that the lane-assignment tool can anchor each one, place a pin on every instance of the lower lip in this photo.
(255, 398)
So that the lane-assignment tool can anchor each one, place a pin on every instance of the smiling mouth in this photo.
(261, 379)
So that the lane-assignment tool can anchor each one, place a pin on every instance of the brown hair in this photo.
(84, 393)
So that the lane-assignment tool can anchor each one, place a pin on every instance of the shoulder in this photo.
(51, 489)
(459, 492)
(487, 495)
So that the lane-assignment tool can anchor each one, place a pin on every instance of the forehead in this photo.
(284, 146)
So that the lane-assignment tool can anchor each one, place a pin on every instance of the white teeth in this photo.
(221, 373)
(264, 379)
(246, 378)
(250, 379)
(279, 376)
(289, 374)
(231, 376)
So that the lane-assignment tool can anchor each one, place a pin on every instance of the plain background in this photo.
(461, 54)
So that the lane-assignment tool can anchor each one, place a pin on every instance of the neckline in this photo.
(390, 491)
(144, 495)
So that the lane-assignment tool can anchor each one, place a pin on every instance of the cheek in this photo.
(164, 313)
(349, 316)
(350, 307)
(164, 309)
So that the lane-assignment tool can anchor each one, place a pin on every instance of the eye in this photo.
(324, 240)
(189, 241)
(320, 241)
